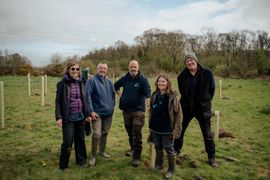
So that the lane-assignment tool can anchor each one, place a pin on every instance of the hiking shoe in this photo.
(212, 162)
(92, 161)
(136, 162)
(105, 155)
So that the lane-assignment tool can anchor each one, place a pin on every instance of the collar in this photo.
(136, 77)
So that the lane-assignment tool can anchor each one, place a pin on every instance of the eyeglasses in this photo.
(73, 69)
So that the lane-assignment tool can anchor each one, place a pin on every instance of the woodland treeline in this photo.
(238, 53)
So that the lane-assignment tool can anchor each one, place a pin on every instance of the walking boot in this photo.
(94, 147)
(136, 158)
(159, 160)
(102, 147)
(136, 162)
(212, 162)
(171, 163)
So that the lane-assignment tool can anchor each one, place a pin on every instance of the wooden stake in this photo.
(46, 85)
(29, 84)
(2, 104)
(220, 89)
(217, 115)
(152, 155)
(42, 90)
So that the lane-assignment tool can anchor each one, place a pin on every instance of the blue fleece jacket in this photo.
(100, 95)
(135, 90)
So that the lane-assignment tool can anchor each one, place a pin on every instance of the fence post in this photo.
(217, 115)
(46, 85)
(220, 89)
(152, 155)
(29, 84)
(42, 90)
(2, 104)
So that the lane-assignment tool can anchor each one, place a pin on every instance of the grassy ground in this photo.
(30, 141)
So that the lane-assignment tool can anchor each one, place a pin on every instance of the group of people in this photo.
(77, 104)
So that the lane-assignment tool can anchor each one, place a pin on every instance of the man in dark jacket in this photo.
(197, 87)
(136, 89)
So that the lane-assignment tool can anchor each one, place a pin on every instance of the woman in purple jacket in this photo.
(70, 113)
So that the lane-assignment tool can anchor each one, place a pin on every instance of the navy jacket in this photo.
(100, 95)
(135, 90)
(202, 91)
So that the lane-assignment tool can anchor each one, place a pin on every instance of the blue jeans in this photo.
(163, 141)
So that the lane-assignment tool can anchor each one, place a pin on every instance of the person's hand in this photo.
(88, 119)
(94, 116)
(148, 108)
(59, 123)
(119, 93)
(90, 76)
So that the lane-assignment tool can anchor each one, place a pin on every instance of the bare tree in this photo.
(174, 43)
(210, 41)
(122, 48)
(194, 43)
(56, 59)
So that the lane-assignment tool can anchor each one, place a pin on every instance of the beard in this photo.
(133, 73)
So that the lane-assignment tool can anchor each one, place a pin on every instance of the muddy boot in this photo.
(159, 160)
(102, 146)
(212, 162)
(94, 147)
(171, 163)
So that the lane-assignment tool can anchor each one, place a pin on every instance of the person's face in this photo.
(133, 68)
(102, 69)
(74, 71)
(162, 84)
(191, 64)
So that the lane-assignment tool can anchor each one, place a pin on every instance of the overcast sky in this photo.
(40, 28)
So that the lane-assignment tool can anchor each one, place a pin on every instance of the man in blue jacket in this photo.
(197, 87)
(100, 96)
(136, 90)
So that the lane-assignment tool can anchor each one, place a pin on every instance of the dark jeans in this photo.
(134, 122)
(72, 130)
(205, 125)
(163, 141)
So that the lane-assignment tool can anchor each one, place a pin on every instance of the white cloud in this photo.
(222, 16)
(69, 26)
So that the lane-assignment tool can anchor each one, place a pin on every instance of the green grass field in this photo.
(30, 141)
